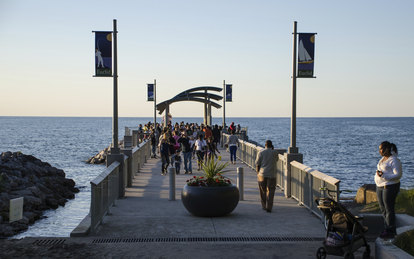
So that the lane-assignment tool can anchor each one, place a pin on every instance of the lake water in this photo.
(345, 148)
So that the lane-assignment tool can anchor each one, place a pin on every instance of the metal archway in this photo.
(197, 94)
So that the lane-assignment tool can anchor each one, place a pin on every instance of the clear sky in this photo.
(364, 56)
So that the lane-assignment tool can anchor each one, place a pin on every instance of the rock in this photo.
(41, 185)
(51, 202)
(366, 194)
(6, 230)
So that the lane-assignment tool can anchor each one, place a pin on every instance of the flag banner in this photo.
(150, 92)
(229, 93)
(306, 54)
(103, 53)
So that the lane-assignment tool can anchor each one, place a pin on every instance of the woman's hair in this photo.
(388, 148)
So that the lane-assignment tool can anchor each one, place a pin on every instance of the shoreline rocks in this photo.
(100, 158)
(42, 186)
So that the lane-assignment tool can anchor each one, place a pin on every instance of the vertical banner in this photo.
(229, 93)
(103, 53)
(150, 92)
(306, 54)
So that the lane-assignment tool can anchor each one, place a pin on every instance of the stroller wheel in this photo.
(349, 255)
(321, 253)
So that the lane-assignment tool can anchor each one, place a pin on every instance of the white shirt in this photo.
(391, 169)
(199, 144)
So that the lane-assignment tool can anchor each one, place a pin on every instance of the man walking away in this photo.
(266, 175)
(187, 152)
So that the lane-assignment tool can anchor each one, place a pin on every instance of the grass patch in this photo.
(405, 242)
(404, 204)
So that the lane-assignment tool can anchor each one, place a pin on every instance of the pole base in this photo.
(293, 150)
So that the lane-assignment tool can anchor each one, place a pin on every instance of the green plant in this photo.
(405, 202)
(212, 175)
(405, 241)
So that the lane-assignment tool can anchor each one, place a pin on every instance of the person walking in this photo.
(387, 180)
(187, 152)
(232, 143)
(266, 175)
(164, 147)
(216, 134)
(200, 147)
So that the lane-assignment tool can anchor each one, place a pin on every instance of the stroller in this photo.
(344, 232)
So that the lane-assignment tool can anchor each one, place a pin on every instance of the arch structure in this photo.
(198, 94)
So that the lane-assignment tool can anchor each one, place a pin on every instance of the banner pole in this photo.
(115, 149)
(155, 103)
(293, 148)
(224, 104)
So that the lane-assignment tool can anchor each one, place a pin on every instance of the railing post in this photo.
(240, 182)
(171, 172)
(289, 157)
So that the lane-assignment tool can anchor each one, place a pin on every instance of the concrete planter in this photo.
(210, 201)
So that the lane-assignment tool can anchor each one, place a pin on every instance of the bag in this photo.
(339, 221)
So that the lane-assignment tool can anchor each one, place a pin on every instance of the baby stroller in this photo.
(344, 232)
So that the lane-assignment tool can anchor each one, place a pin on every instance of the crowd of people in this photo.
(182, 142)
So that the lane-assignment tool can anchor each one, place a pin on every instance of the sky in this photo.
(363, 56)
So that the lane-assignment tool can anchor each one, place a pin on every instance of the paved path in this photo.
(145, 224)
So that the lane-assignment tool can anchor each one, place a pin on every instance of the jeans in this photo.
(165, 162)
(153, 150)
(233, 150)
(187, 160)
(267, 187)
(386, 200)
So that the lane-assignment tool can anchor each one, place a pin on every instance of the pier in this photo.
(147, 222)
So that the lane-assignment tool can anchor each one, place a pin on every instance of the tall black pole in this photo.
(224, 103)
(155, 103)
(293, 148)
(115, 148)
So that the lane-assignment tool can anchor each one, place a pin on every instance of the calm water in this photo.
(345, 148)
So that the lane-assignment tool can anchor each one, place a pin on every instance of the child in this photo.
(177, 162)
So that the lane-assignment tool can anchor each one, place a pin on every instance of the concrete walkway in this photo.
(145, 224)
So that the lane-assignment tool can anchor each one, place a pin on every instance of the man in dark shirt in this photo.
(216, 135)
(187, 152)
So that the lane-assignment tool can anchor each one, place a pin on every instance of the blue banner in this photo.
(306, 54)
(150, 92)
(229, 93)
(103, 53)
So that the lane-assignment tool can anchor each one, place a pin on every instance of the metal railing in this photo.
(104, 192)
(306, 184)
(105, 188)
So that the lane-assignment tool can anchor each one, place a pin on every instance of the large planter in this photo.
(210, 201)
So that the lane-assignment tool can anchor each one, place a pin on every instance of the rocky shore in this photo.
(100, 158)
(42, 186)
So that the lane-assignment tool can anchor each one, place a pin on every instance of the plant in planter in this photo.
(210, 195)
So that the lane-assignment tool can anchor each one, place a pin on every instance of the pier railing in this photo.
(298, 181)
(110, 185)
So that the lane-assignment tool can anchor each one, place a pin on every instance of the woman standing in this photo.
(387, 179)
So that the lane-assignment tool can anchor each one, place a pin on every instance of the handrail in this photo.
(306, 184)
(105, 188)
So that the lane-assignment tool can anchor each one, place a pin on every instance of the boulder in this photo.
(366, 194)
(41, 185)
